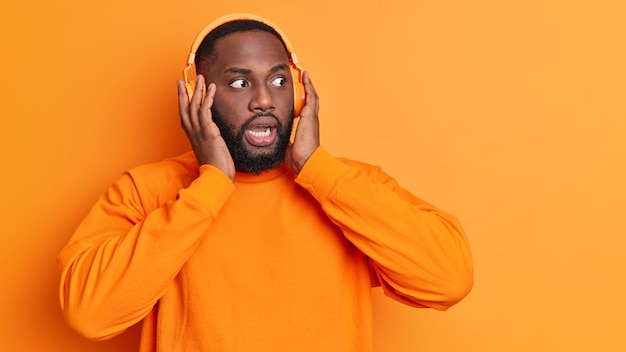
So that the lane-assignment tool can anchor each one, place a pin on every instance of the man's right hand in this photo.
(203, 134)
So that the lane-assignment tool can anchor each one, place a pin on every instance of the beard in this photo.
(250, 159)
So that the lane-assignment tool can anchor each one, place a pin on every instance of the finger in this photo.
(183, 104)
(196, 101)
(206, 117)
(198, 90)
(312, 99)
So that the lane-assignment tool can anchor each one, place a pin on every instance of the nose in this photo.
(261, 100)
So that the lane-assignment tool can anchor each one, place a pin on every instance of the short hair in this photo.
(206, 51)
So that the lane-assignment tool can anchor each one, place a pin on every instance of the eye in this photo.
(279, 81)
(239, 83)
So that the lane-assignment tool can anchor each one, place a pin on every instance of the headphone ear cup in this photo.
(299, 95)
(191, 86)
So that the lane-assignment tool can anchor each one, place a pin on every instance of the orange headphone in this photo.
(299, 95)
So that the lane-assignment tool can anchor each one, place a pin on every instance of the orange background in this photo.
(509, 114)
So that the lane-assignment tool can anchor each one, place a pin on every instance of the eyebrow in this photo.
(246, 71)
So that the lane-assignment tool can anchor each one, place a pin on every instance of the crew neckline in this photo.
(263, 176)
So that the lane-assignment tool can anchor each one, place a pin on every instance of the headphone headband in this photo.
(235, 17)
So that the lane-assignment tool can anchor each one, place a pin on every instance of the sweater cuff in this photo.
(321, 173)
(211, 189)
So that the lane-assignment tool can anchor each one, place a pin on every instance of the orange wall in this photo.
(509, 114)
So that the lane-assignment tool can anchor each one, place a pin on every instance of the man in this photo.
(250, 242)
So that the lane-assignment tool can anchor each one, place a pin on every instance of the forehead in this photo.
(247, 47)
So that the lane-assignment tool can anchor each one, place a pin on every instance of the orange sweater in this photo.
(274, 262)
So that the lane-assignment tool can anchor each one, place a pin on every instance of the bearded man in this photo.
(251, 242)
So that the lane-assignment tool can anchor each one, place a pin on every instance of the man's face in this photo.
(253, 104)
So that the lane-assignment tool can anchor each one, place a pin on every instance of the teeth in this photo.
(261, 134)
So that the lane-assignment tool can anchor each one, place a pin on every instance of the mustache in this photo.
(261, 114)
(264, 114)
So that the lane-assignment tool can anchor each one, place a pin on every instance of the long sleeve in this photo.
(132, 244)
(419, 254)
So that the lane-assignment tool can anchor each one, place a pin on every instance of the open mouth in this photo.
(261, 134)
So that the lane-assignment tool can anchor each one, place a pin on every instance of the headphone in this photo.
(189, 75)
